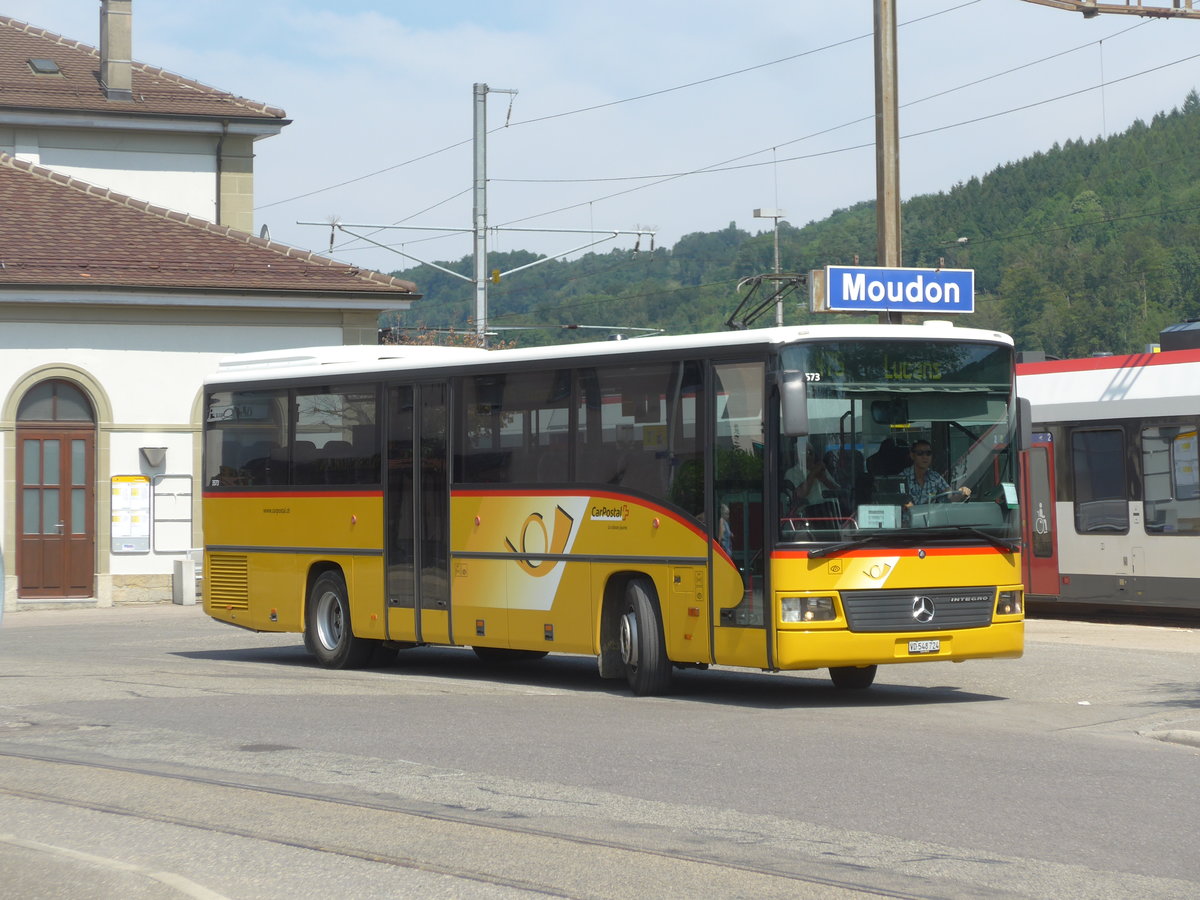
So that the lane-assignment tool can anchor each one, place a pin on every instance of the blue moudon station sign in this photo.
(875, 289)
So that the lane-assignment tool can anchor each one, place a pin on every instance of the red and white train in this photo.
(1112, 478)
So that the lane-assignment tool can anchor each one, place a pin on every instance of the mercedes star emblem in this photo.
(923, 609)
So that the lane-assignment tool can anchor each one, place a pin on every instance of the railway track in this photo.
(473, 845)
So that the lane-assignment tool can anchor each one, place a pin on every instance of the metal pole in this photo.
(479, 213)
(887, 141)
(779, 302)
(775, 215)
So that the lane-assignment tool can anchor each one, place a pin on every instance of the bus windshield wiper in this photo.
(1002, 543)
(887, 536)
(910, 535)
(951, 531)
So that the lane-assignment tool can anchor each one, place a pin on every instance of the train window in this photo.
(1098, 472)
(1171, 469)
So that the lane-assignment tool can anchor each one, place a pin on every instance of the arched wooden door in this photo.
(56, 493)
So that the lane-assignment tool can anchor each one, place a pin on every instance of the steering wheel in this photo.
(953, 493)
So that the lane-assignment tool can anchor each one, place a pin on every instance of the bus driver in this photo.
(924, 484)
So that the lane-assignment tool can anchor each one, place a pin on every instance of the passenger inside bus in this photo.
(808, 487)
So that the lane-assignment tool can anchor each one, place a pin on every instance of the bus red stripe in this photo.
(884, 550)
(263, 495)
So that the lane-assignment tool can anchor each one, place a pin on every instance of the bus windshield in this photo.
(905, 438)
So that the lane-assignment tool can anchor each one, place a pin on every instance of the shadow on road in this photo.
(728, 687)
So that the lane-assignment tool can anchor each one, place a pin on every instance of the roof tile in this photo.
(155, 91)
(56, 230)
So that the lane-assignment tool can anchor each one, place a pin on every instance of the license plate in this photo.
(924, 646)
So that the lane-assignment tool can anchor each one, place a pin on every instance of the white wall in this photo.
(151, 373)
(152, 376)
(175, 171)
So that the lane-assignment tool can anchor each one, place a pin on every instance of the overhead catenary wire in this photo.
(729, 166)
(582, 305)
(725, 167)
(722, 167)
(1071, 226)
(656, 93)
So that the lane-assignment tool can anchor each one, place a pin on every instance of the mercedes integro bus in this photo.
(646, 502)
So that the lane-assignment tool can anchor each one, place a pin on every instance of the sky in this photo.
(677, 116)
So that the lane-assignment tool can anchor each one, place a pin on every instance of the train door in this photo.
(1040, 529)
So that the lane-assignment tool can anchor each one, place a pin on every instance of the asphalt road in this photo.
(152, 752)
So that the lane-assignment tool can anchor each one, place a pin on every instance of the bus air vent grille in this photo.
(936, 609)
(228, 581)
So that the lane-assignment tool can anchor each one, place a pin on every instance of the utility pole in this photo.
(479, 226)
(887, 142)
(479, 207)
(775, 214)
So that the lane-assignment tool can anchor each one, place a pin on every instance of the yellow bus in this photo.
(748, 499)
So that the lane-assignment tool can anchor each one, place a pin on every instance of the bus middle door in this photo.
(418, 515)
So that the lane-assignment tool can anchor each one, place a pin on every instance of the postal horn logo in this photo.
(536, 539)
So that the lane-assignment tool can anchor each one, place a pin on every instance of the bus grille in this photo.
(228, 581)
(939, 609)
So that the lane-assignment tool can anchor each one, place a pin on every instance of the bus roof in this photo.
(373, 359)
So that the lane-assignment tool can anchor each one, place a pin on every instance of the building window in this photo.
(55, 401)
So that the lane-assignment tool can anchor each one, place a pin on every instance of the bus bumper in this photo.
(817, 649)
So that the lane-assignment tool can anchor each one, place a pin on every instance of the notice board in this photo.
(130, 514)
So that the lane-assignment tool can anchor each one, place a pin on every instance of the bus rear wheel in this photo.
(327, 632)
(643, 651)
(854, 678)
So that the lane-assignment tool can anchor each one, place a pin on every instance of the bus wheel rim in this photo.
(629, 633)
(329, 621)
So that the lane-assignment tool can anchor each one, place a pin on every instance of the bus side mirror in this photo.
(793, 398)
(1024, 424)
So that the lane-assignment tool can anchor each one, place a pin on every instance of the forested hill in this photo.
(1090, 246)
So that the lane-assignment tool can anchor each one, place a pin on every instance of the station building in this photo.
(128, 268)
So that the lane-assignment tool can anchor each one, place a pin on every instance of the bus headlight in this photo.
(1010, 603)
(807, 609)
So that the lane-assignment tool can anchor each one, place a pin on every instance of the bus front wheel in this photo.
(327, 633)
(854, 678)
(643, 650)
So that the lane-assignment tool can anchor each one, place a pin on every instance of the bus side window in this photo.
(648, 432)
(482, 460)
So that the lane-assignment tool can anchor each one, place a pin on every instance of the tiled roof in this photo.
(77, 89)
(58, 231)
